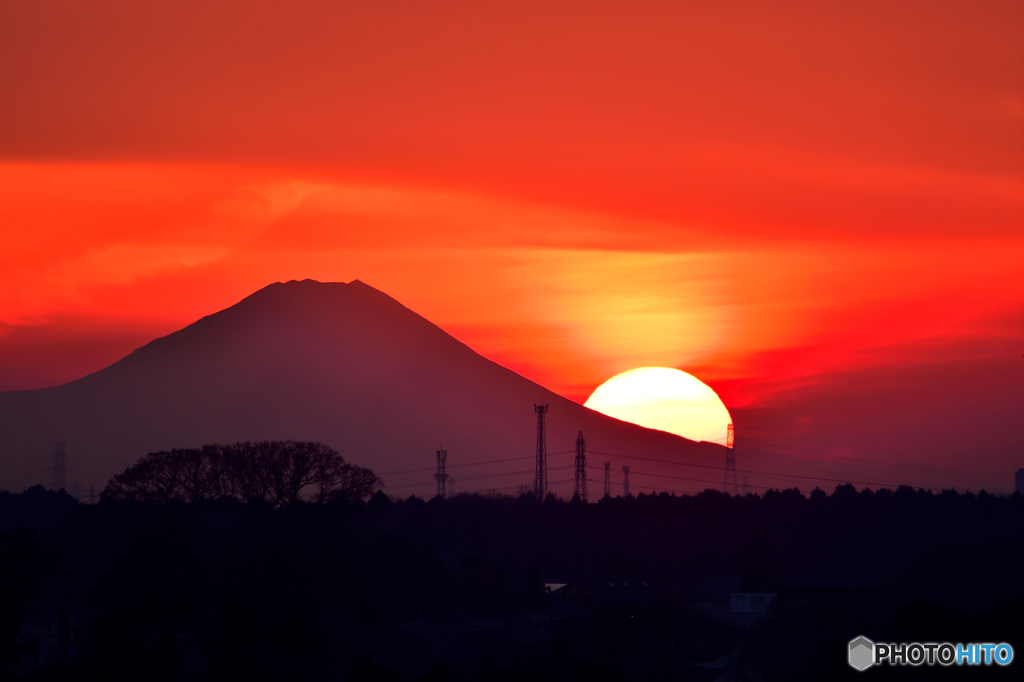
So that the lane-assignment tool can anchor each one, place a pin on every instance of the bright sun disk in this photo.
(665, 399)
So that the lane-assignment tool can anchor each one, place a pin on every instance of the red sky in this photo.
(816, 207)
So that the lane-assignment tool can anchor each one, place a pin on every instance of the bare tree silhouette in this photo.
(274, 472)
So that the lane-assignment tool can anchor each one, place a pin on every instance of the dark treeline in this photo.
(454, 589)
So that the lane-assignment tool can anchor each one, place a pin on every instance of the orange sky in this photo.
(777, 199)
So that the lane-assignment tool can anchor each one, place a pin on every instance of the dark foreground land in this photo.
(455, 589)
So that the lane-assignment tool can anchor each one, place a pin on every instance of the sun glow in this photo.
(665, 399)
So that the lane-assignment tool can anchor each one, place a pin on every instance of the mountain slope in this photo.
(343, 364)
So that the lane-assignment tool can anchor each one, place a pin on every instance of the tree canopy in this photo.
(274, 472)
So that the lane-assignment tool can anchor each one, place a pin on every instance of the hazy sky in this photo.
(815, 207)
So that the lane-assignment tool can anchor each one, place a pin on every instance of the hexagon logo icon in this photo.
(862, 653)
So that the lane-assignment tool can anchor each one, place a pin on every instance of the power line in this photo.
(765, 473)
(452, 466)
(694, 464)
(471, 478)
(469, 464)
(480, 477)
(810, 478)
(669, 463)
(511, 487)
(868, 461)
(695, 480)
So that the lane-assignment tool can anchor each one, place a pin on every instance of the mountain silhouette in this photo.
(342, 364)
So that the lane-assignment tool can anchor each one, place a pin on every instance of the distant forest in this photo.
(341, 587)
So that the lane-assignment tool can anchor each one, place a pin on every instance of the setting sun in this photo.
(665, 399)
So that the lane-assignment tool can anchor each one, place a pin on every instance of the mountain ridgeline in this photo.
(340, 364)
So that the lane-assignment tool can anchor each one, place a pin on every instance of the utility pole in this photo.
(730, 462)
(441, 476)
(59, 468)
(540, 480)
(581, 469)
(607, 479)
(625, 481)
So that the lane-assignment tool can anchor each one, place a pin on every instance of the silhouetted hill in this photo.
(342, 364)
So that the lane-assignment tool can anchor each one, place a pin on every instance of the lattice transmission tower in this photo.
(607, 479)
(625, 481)
(540, 479)
(730, 462)
(581, 469)
(441, 476)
